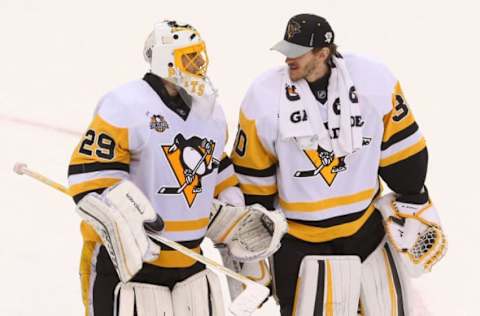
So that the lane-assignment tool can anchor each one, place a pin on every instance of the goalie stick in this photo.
(245, 304)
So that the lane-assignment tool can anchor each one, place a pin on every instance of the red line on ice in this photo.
(40, 125)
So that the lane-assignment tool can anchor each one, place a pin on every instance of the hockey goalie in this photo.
(151, 162)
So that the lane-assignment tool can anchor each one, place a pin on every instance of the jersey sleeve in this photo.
(226, 175)
(253, 158)
(404, 156)
(102, 157)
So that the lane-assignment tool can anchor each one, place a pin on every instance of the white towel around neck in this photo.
(300, 118)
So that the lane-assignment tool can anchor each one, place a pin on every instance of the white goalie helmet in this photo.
(177, 53)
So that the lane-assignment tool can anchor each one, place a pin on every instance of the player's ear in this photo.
(321, 53)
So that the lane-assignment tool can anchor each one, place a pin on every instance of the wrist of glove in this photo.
(414, 229)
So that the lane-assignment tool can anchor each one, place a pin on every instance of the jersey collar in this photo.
(319, 88)
(176, 104)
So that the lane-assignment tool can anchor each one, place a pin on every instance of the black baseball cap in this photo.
(304, 32)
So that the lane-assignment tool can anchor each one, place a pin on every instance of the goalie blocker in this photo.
(118, 216)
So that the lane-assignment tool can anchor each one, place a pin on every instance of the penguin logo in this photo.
(325, 164)
(191, 160)
(293, 28)
(291, 93)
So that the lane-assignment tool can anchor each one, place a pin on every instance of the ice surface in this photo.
(57, 58)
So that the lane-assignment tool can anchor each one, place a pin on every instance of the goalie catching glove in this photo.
(118, 217)
(413, 228)
(250, 232)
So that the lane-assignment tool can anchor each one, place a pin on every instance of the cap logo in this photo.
(328, 37)
(292, 29)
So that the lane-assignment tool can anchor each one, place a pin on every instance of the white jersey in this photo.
(176, 158)
(323, 202)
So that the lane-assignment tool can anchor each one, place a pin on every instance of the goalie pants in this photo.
(287, 259)
(99, 278)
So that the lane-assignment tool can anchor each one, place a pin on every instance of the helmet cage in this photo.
(192, 60)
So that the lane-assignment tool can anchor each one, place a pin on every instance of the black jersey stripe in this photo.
(267, 201)
(343, 219)
(267, 172)
(401, 135)
(190, 244)
(406, 176)
(79, 196)
(97, 166)
(224, 163)
(337, 220)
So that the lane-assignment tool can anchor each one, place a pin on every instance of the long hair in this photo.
(332, 51)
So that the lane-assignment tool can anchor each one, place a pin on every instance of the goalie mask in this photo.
(177, 53)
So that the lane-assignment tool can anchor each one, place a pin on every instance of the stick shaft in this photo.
(188, 252)
(45, 180)
(207, 261)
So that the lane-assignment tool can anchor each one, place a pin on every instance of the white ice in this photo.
(57, 58)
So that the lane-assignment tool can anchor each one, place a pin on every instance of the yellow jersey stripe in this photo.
(179, 226)
(249, 152)
(167, 258)
(404, 154)
(229, 182)
(258, 189)
(89, 233)
(321, 234)
(92, 185)
(392, 127)
(93, 145)
(327, 203)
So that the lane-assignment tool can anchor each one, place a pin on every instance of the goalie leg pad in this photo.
(385, 285)
(142, 299)
(199, 295)
(328, 285)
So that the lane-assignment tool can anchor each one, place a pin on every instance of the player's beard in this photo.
(304, 71)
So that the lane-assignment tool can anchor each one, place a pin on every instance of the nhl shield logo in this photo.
(158, 123)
